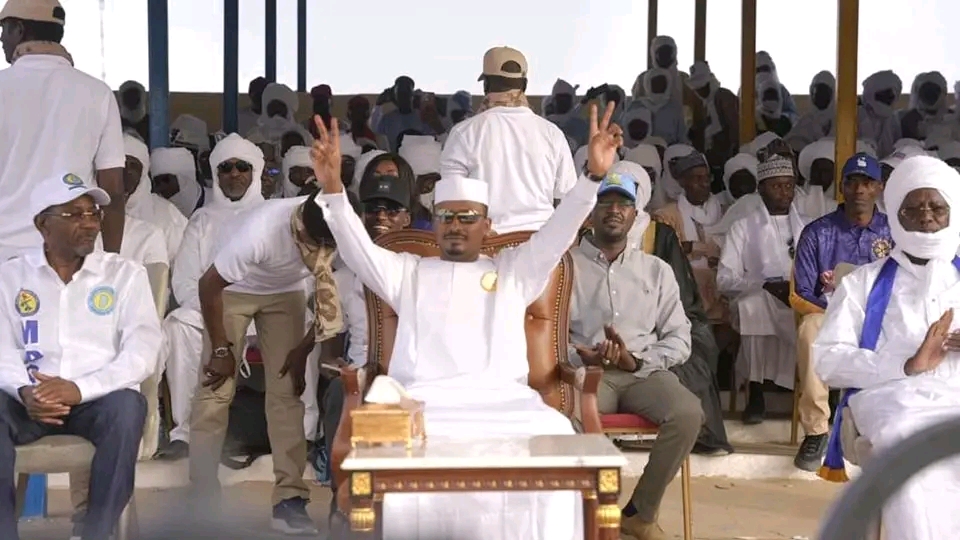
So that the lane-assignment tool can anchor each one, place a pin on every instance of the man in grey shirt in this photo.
(626, 316)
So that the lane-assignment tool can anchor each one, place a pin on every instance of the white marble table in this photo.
(588, 463)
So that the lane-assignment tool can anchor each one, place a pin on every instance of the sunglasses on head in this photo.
(227, 167)
(466, 217)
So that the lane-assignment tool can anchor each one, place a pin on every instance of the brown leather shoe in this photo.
(636, 528)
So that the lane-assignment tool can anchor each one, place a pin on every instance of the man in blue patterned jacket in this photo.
(855, 233)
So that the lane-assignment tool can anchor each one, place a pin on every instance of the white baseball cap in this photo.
(61, 190)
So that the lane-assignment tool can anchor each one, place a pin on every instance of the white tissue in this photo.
(387, 391)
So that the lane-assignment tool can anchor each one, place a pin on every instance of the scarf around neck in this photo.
(41, 47)
(328, 319)
(697, 218)
(510, 98)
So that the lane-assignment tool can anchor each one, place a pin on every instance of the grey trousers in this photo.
(662, 399)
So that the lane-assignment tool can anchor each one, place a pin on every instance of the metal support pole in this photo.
(270, 40)
(748, 71)
(159, 67)
(848, 19)
(651, 28)
(231, 59)
(301, 45)
(700, 31)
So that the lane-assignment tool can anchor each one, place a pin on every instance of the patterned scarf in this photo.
(510, 98)
(41, 47)
(328, 319)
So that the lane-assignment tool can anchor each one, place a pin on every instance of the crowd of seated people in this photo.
(737, 248)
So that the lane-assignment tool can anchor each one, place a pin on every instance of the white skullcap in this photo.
(422, 152)
(458, 188)
(916, 173)
(904, 152)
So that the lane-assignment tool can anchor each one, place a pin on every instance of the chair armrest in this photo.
(585, 381)
(355, 380)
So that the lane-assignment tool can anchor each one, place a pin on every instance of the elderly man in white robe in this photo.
(233, 192)
(469, 364)
(754, 271)
(142, 203)
(889, 331)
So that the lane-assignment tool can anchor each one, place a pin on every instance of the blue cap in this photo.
(865, 164)
(622, 183)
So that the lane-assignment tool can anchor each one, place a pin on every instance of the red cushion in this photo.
(626, 421)
(254, 356)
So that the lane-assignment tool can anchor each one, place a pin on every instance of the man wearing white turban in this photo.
(280, 104)
(818, 122)
(717, 133)
(653, 90)
(770, 113)
(174, 173)
(134, 117)
(889, 331)
(876, 121)
(926, 118)
(234, 191)
(754, 272)
(297, 172)
(147, 206)
(816, 197)
(766, 66)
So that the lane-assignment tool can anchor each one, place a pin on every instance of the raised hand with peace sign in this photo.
(605, 139)
(326, 157)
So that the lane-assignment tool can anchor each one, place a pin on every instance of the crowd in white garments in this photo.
(688, 248)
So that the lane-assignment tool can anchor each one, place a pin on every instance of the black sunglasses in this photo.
(227, 167)
(374, 208)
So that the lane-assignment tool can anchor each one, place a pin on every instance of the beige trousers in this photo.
(279, 320)
(814, 403)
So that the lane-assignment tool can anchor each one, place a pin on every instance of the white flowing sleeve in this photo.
(187, 267)
(380, 269)
(533, 261)
(731, 273)
(837, 357)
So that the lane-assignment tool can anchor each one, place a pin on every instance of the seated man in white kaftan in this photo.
(889, 331)
(754, 271)
(468, 364)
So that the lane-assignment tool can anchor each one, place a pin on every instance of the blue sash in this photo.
(833, 468)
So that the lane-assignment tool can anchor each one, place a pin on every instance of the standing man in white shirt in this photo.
(55, 118)
(272, 250)
(524, 158)
(78, 334)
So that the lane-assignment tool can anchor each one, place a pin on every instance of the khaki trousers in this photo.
(279, 320)
(662, 399)
(814, 405)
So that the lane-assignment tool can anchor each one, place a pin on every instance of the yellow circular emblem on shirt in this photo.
(881, 248)
(102, 300)
(27, 303)
(72, 180)
(488, 281)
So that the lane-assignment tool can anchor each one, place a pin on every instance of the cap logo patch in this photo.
(72, 181)
(861, 162)
(383, 187)
(613, 179)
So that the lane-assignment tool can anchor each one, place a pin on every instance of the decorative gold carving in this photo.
(362, 519)
(538, 483)
(361, 484)
(430, 485)
(590, 494)
(374, 423)
(461, 485)
(608, 481)
(608, 516)
(508, 484)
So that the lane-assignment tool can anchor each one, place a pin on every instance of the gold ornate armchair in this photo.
(547, 329)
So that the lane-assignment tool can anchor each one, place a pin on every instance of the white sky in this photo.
(363, 46)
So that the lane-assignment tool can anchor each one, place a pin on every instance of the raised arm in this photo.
(534, 260)
(382, 270)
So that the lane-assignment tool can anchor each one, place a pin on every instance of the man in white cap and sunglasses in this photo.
(55, 118)
(80, 333)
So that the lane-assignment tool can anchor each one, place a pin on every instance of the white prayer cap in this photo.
(62, 189)
(907, 142)
(895, 159)
(458, 188)
(422, 152)
(917, 173)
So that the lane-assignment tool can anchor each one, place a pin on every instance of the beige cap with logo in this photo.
(34, 10)
(504, 62)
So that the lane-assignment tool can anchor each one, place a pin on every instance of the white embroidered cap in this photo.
(458, 188)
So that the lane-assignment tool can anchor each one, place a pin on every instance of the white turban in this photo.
(234, 146)
(772, 107)
(297, 156)
(668, 184)
(644, 193)
(739, 162)
(917, 173)
(822, 149)
(761, 141)
(140, 112)
(422, 152)
(188, 130)
(283, 93)
(878, 82)
(137, 201)
(180, 163)
(636, 113)
(895, 159)
(646, 155)
(458, 188)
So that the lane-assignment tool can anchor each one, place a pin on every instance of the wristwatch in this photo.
(222, 351)
(640, 361)
(591, 176)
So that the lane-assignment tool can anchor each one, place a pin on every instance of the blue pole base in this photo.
(35, 503)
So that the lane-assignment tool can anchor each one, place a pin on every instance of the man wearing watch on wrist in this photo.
(626, 315)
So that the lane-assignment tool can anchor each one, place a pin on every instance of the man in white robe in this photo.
(469, 364)
(910, 379)
(142, 203)
(816, 197)
(754, 271)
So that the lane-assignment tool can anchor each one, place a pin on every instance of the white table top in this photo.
(542, 451)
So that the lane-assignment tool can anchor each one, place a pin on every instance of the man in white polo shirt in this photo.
(55, 118)
(78, 334)
(525, 158)
(271, 251)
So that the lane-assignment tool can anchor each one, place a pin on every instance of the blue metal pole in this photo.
(301, 45)
(159, 61)
(270, 40)
(231, 61)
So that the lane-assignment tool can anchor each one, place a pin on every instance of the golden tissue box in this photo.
(386, 424)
